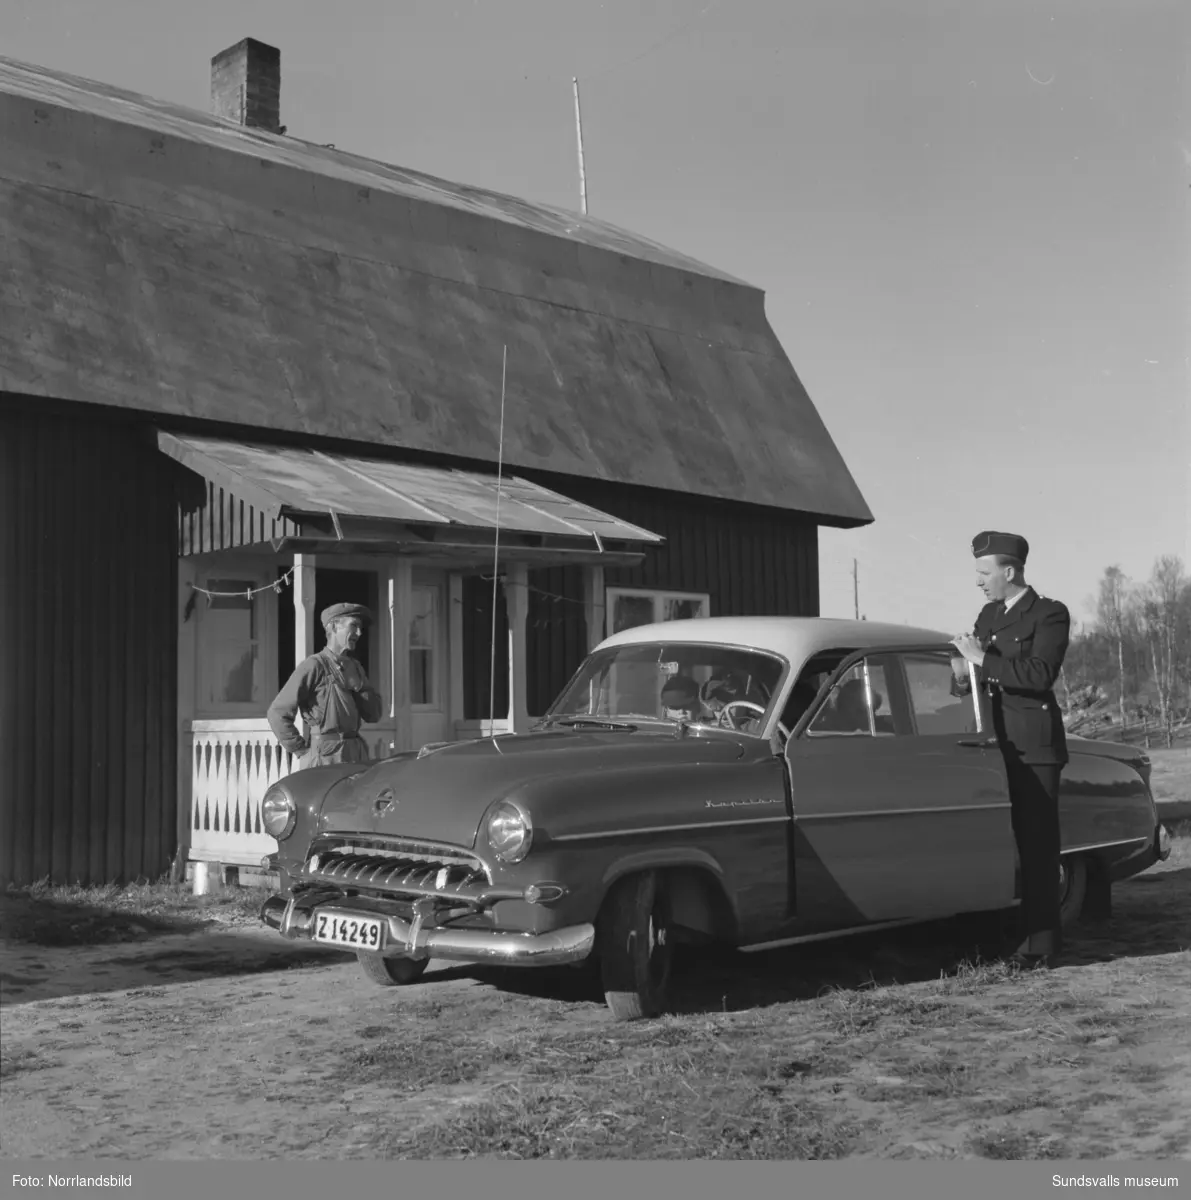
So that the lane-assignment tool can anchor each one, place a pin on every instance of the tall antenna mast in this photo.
(500, 458)
(579, 135)
(855, 591)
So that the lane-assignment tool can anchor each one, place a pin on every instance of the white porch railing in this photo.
(233, 764)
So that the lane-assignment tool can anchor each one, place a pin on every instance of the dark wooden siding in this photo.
(88, 593)
(210, 518)
(477, 649)
(750, 561)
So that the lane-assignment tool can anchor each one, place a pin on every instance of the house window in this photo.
(628, 608)
(230, 658)
(423, 643)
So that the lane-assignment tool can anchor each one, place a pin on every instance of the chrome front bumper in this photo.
(417, 939)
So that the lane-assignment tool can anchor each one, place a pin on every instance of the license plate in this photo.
(356, 933)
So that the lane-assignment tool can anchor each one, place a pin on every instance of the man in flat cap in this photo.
(332, 692)
(1018, 646)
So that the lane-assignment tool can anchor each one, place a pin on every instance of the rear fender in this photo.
(1104, 803)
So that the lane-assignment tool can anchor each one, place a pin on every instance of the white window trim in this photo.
(437, 647)
(657, 595)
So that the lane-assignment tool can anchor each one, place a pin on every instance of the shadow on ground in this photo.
(54, 949)
(1152, 916)
(40, 921)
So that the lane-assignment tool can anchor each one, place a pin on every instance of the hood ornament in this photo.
(384, 801)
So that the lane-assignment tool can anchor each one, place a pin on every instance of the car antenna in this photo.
(500, 455)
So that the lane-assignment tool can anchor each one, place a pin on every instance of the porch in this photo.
(281, 534)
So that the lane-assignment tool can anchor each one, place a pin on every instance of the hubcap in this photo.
(657, 949)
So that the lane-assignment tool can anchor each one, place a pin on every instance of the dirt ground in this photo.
(228, 1042)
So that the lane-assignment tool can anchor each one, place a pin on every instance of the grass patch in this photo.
(735, 1121)
(815, 1079)
(422, 1061)
(20, 1062)
(1170, 777)
(1018, 1144)
(57, 915)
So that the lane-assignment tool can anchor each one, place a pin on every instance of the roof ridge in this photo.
(400, 180)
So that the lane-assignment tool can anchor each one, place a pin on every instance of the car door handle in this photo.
(978, 743)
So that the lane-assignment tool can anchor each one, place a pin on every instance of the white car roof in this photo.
(796, 638)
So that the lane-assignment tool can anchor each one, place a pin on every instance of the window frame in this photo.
(658, 595)
(893, 695)
(436, 647)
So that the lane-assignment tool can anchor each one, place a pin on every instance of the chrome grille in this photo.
(412, 868)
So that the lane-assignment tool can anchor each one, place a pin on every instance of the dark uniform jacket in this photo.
(1024, 649)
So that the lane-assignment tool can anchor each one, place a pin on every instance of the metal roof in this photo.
(166, 261)
(281, 481)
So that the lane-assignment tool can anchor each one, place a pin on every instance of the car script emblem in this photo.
(384, 800)
(743, 803)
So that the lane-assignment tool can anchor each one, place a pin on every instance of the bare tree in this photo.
(1163, 620)
(1111, 611)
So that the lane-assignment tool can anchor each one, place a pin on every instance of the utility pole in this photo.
(855, 590)
(579, 135)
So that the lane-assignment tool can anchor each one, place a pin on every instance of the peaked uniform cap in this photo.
(990, 542)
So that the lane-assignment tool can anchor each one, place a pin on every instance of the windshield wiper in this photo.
(600, 722)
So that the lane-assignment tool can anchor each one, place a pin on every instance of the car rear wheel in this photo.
(635, 947)
(1073, 888)
(391, 972)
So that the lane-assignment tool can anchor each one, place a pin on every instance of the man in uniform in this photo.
(1018, 646)
(332, 692)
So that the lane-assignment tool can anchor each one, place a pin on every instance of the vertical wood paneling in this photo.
(88, 597)
(477, 642)
(557, 632)
(213, 519)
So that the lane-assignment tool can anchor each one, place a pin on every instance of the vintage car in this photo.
(751, 781)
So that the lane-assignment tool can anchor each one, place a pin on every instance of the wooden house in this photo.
(243, 376)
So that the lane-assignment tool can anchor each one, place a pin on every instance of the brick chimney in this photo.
(246, 85)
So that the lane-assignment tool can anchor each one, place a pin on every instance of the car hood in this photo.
(442, 796)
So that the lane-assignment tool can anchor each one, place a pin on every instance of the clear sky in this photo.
(972, 221)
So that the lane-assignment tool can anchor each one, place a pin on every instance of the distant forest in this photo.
(1129, 669)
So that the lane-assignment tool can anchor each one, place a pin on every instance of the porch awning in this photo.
(364, 505)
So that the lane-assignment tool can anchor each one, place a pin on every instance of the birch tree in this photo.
(1163, 618)
(1111, 610)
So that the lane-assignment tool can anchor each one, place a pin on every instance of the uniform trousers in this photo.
(1034, 801)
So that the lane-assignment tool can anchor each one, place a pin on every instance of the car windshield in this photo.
(673, 681)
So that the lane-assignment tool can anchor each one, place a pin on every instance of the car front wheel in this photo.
(635, 947)
(391, 972)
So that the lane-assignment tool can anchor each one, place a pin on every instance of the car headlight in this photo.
(278, 814)
(510, 832)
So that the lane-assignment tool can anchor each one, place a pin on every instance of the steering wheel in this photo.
(729, 722)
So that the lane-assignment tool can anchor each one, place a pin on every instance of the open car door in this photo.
(900, 797)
